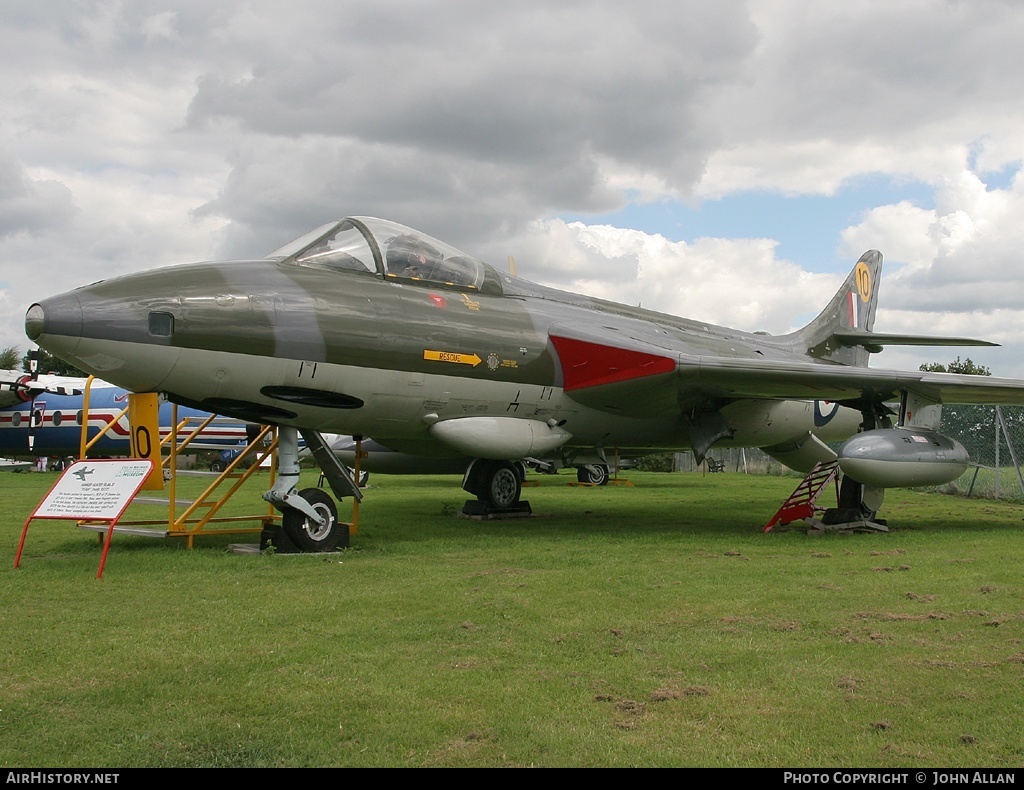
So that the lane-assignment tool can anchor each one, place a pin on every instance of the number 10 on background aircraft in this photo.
(367, 327)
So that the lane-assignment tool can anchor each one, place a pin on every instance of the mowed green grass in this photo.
(652, 625)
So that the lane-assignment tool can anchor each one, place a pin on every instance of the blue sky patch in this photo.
(807, 227)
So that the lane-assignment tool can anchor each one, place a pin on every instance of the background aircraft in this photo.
(57, 427)
(19, 387)
(18, 393)
(367, 327)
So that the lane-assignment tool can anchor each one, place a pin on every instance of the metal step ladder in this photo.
(800, 504)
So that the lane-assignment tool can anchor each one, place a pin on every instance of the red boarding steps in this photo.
(800, 504)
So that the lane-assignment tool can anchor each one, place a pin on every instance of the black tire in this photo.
(503, 485)
(473, 479)
(218, 466)
(595, 474)
(305, 534)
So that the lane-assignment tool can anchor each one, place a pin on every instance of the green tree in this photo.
(974, 426)
(48, 363)
(9, 358)
(967, 366)
(658, 462)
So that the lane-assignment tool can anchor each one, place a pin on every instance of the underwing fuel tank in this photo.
(902, 458)
(499, 438)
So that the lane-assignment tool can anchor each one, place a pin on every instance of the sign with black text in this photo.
(94, 489)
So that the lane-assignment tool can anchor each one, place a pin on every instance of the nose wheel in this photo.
(309, 535)
(309, 518)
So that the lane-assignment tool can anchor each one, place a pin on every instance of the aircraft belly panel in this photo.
(397, 408)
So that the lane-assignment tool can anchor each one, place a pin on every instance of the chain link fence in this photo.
(994, 436)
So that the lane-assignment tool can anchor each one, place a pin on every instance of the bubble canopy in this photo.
(375, 246)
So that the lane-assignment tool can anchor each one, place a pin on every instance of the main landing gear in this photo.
(857, 509)
(497, 486)
(593, 474)
(858, 504)
(309, 517)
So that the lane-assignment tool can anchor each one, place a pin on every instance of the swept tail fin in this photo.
(842, 332)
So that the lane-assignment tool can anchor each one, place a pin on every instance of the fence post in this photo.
(1009, 445)
(996, 421)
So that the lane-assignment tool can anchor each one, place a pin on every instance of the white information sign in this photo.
(95, 489)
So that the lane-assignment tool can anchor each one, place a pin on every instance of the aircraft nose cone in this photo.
(55, 323)
(35, 322)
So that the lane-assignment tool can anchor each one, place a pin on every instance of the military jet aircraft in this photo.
(366, 327)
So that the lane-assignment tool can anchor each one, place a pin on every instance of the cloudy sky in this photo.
(726, 161)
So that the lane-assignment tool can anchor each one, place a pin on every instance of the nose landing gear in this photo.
(309, 534)
(310, 517)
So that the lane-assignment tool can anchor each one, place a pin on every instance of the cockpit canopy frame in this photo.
(393, 252)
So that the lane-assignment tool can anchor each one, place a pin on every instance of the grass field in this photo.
(652, 625)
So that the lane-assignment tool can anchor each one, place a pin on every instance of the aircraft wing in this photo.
(639, 379)
(735, 378)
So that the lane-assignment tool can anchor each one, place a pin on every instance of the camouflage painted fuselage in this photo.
(367, 350)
